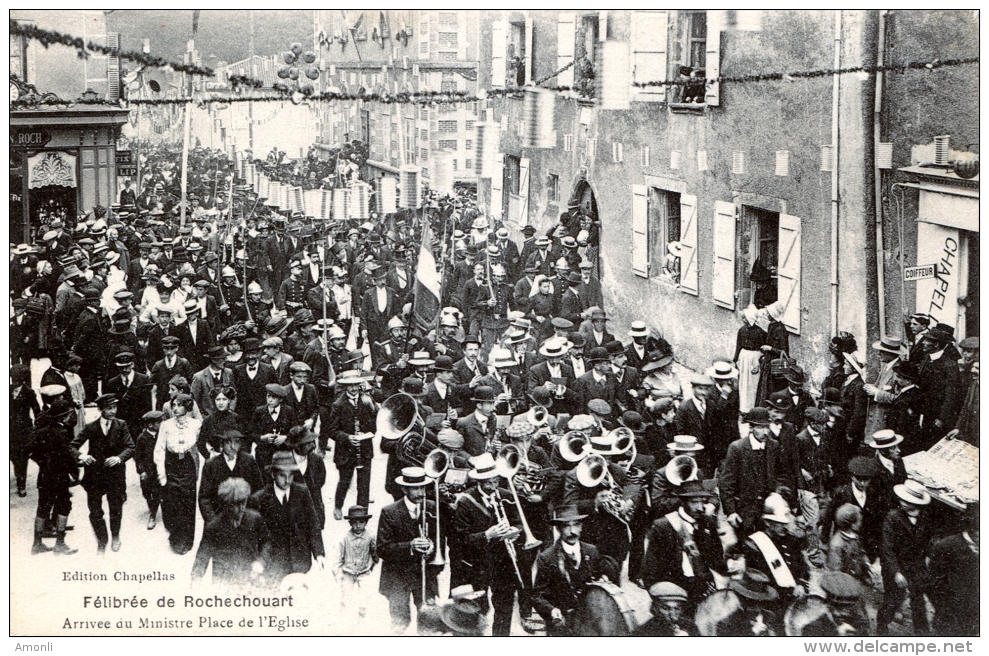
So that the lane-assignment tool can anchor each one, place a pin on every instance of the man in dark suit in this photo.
(907, 533)
(87, 342)
(597, 332)
(684, 546)
(444, 394)
(510, 255)
(478, 428)
(231, 462)
(508, 387)
(195, 337)
(302, 397)
(598, 383)
(378, 305)
(214, 375)
(312, 471)
(110, 446)
(556, 377)
(954, 579)
(864, 496)
(794, 399)
(642, 344)
(132, 390)
(251, 378)
(939, 381)
(288, 513)
(167, 368)
(539, 258)
(563, 572)
(270, 424)
(159, 331)
(627, 378)
(402, 548)
(353, 422)
(692, 418)
(750, 473)
(572, 304)
(478, 551)
(470, 367)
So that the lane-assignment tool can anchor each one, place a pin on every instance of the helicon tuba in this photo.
(681, 469)
(398, 419)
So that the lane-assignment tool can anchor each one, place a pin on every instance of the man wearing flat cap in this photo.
(110, 446)
(302, 397)
(669, 618)
(563, 572)
(132, 390)
(865, 496)
(270, 424)
(168, 367)
(290, 517)
(751, 472)
(231, 462)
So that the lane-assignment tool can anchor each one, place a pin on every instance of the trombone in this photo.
(510, 461)
(502, 518)
(436, 464)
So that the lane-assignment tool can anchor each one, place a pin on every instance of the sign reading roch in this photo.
(29, 138)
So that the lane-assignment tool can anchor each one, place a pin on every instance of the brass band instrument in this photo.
(510, 461)
(436, 464)
(574, 446)
(592, 472)
(681, 469)
(398, 419)
(537, 416)
(502, 518)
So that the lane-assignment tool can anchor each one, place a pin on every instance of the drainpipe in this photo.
(878, 174)
(835, 83)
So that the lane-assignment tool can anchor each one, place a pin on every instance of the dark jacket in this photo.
(98, 478)
(663, 559)
(308, 407)
(401, 568)
(295, 535)
(251, 393)
(474, 559)
(475, 439)
(315, 479)
(161, 375)
(344, 418)
(215, 471)
(558, 584)
(195, 350)
(905, 546)
(954, 587)
(261, 423)
(748, 477)
(233, 550)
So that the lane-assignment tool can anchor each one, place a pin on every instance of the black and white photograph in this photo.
(501, 322)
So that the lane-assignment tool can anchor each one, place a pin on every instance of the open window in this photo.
(586, 53)
(519, 54)
(657, 231)
(698, 60)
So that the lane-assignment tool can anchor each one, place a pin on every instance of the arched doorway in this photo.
(582, 208)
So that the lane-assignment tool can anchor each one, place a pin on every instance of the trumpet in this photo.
(436, 464)
(510, 461)
(592, 472)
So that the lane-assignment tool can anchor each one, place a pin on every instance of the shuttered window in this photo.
(523, 214)
(499, 52)
(789, 271)
(640, 231)
(688, 244)
(446, 144)
(723, 280)
(650, 34)
(113, 69)
(446, 126)
(712, 57)
(497, 182)
(565, 38)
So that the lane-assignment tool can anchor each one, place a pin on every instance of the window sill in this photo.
(688, 108)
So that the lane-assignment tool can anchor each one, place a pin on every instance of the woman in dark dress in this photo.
(24, 409)
(221, 421)
(748, 350)
(777, 343)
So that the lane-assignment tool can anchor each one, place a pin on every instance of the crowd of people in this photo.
(541, 453)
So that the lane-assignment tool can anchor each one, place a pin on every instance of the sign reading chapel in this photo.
(29, 138)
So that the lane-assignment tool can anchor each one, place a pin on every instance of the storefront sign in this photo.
(124, 157)
(26, 138)
(922, 272)
(938, 295)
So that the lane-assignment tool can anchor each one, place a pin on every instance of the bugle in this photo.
(509, 461)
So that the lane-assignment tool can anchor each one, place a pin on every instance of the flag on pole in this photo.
(426, 306)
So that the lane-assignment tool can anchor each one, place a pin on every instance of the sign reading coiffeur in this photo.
(29, 138)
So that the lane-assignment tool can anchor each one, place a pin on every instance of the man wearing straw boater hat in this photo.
(483, 551)
(907, 535)
(352, 423)
(290, 517)
(402, 546)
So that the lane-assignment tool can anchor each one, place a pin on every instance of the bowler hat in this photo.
(692, 489)
(906, 370)
(756, 417)
(251, 344)
(443, 363)
(863, 467)
(754, 585)
(598, 354)
(483, 394)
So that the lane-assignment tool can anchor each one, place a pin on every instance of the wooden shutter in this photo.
(723, 280)
(113, 69)
(497, 182)
(499, 52)
(789, 271)
(640, 230)
(530, 60)
(712, 57)
(650, 33)
(688, 243)
(566, 26)
(523, 215)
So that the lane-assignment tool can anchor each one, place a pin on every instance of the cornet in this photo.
(510, 461)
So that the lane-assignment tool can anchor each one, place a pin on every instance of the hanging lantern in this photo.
(312, 72)
(360, 200)
(387, 195)
(537, 117)
(309, 57)
(289, 58)
(441, 170)
(410, 181)
(297, 49)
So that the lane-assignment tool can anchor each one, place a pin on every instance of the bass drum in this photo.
(603, 611)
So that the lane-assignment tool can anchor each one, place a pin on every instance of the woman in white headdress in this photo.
(748, 349)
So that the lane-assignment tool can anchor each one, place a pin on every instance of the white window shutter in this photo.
(499, 52)
(530, 61)
(565, 39)
(715, 24)
(497, 182)
(723, 283)
(523, 217)
(688, 243)
(650, 35)
(789, 271)
(113, 68)
(640, 231)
